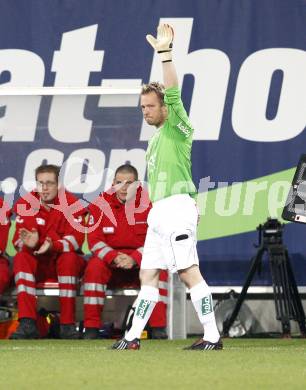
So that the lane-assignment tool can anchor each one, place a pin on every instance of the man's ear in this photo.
(165, 110)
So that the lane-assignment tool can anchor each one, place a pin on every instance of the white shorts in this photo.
(171, 238)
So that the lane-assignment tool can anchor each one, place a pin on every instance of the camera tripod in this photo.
(288, 305)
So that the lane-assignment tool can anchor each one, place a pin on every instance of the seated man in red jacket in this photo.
(49, 236)
(117, 228)
(5, 214)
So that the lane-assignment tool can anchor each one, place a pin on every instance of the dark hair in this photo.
(48, 168)
(128, 168)
(156, 87)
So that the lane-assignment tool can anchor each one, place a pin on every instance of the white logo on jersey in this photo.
(40, 221)
(152, 162)
(19, 219)
(108, 229)
(91, 220)
(183, 129)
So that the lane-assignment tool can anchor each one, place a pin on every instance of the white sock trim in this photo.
(149, 293)
(199, 291)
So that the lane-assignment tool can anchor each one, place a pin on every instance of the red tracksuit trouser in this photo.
(97, 276)
(29, 269)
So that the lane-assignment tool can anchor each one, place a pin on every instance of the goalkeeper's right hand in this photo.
(163, 42)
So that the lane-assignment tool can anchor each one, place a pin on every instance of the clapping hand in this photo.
(29, 238)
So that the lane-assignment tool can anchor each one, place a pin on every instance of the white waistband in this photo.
(177, 198)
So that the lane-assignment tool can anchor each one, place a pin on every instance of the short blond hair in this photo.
(156, 87)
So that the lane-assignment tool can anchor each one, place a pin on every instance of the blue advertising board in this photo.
(241, 66)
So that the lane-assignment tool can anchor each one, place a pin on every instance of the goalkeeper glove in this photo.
(163, 42)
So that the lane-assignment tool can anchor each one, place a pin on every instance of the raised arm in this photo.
(163, 45)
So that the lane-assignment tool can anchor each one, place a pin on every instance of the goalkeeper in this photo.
(171, 237)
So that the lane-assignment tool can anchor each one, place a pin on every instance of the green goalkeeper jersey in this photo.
(169, 152)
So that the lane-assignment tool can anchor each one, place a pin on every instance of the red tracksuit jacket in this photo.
(118, 228)
(64, 224)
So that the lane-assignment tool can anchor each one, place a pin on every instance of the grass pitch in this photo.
(243, 364)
